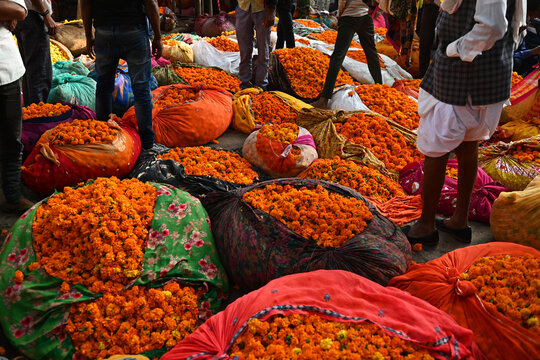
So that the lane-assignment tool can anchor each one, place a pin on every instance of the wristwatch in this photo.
(43, 14)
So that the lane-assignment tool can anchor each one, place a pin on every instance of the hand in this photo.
(90, 47)
(50, 24)
(10, 25)
(269, 18)
(157, 47)
(535, 51)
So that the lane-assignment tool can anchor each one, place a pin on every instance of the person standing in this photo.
(33, 38)
(426, 32)
(11, 71)
(285, 34)
(258, 15)
(460, 102)
(121, 32)
(354, 17)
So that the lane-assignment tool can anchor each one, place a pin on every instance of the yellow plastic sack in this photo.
(519, 129)
(515, 216)
(181, 52)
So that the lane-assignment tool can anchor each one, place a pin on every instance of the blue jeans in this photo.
(131, 43)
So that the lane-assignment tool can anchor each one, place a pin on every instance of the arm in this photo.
(86, 14)
(270, 12)
(152, 11)
(491, 25)
(47, 19)
(10, 11)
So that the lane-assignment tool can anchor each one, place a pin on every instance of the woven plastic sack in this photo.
(256, 248)
(276, 158)
(51, 167)
(485, 191)
(212, 26)
(181, 52)
(70, 67)
(165, 75)
(513, 173)
(207, 55)
(32, 129)
(525, 99)
(74, 89)
(515, 216)
(439, 283)
(34, 313)
(336, 296)
(72, 36)
(345, 98)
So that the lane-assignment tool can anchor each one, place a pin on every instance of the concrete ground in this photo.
(234, 140)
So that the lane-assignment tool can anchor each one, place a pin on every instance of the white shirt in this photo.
(11, 64)
(491, 25)
(30, 6)
(355, 8)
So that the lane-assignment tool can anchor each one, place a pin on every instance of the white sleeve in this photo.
(491, 25)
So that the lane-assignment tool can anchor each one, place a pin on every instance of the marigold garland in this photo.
(387, 144)
(308, 23)
(330, 37)
(391, 103)
(220, 164)
(41, 109)
(83, 132)
(270, 108)
(366, 181)
(209, 76)
(300, 336)
(223, 43)
(306, 69)
(174, 96)
(511, 285)
(96, 234)
(327, 218)
(360, 55)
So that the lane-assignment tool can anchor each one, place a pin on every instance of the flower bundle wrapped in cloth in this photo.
(280, 150)
(110, 267)
(491, 289)
(78, 151)
(284, 226)
(188, 115)
(328, 315)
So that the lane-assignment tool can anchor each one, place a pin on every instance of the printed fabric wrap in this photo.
(191, 123)
(334, 295)
(165, 75)
(34, 313)
(515, 216)
(303, 30)
(485, 191)
(439, 283)
(51, 167)
(32, 129)
(255, 247)
(515, 174)
(525, 99)
(276, 158)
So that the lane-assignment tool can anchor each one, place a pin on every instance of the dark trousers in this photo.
(426, 33)
(285, 34)
(347, 26)
(10, 140)
(35, 51)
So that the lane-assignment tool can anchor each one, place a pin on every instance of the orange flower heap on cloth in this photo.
(170, 42)
(360, 55)
(220, 164)
(526, 154)
(327, 218)
(391, 103)
(175, 96)
(223, 43)
(511, 285)
(44, 110)
(133, 321)
(308, 23)
(285, 133)
(310, 336)
(269, 108)
(209, 76)
(330, 37)
(387, 144)
(83, 132)
(366, 181)
(413, 84)
(306, 70)
(95, 235)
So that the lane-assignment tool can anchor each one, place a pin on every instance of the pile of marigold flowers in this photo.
(516, 78)
(300, 336)
(387, 144)
(306, 69)
(526, 154)
(330, 37)
(327, 218)
(285, 133)
(170, 36)
(171, 42)
(414, 84)
(194, 75)
(221, 164)
(41, 109)
(57, 54)
(381, 31)
(270, 108)
(452, 172)
(223, 43)
(303, 41)
(366, 181)
(360, 55)
(308, 23)
(83, 132)
(511, 285)
(174, 96)
(391, 103)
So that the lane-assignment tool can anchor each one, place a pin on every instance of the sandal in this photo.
(429, 240)
(462, 235)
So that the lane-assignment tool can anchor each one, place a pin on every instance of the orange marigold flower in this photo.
(170, 42)
(174, 96)
(83, 132)
(220, 164)
(308, 23)
(381, 31)
(33, 266)
(64, 288)
(327, 218)
(516, 78)
(525, 153)
(223, 43)
(269, 108)
(285, 133)
(19, 277)
(417, 247)
(452, 172)
(303, 41)
(44, 110)
(414, 84)
(209, 76)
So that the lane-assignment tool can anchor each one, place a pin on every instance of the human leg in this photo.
(427, 35)
(244, 35)
(263, 57)
(106, 62)
(285, 10)
(366, 33)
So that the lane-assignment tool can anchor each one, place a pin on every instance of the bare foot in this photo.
(322, 103)
(419, 230)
